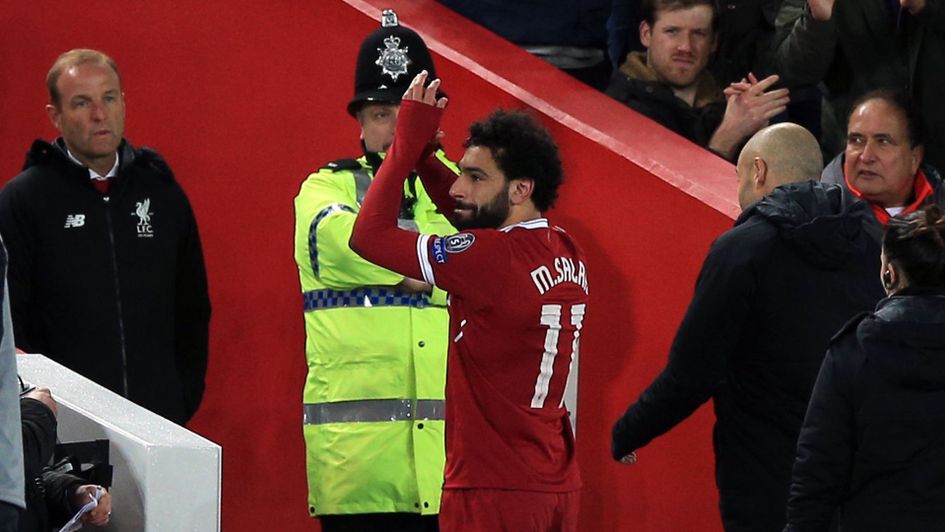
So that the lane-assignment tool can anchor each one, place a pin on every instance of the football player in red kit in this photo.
(518, 297)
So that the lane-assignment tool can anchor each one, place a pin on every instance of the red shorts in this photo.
(492, 510)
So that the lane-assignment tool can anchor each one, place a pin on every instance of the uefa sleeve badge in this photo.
(459, 242)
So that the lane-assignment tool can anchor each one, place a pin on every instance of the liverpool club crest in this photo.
(393, 59)
(143, 212)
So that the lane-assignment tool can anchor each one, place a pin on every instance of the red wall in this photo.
(244, 99)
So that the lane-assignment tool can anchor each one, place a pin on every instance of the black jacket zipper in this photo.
(121, 322)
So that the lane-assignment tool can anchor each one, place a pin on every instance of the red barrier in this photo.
(244, 100)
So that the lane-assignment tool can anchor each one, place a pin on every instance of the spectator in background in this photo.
(854, 46)
(871, 452)
(745, 32)
(106, 270)
(670, 82)
(883, 160)
(772, 291)
(376, 341)
(52, 497)
(568, 34)
(11, 441)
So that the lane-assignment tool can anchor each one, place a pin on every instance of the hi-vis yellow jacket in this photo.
(373, 398)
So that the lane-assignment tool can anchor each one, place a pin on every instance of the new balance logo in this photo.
(74, 220)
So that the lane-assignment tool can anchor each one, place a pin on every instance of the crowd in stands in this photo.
(688, 64)
(861, 447)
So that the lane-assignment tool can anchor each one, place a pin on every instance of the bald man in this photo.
(772, 291)
(777, 155)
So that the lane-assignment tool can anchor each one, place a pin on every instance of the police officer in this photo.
(376, 342)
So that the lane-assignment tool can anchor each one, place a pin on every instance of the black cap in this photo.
(389, 59)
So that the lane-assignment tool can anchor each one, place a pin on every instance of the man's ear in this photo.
(918, 153)
(53, 113)
(645, 33)
(888, 281)
(521, 190)
(359, 116)
(759, 173)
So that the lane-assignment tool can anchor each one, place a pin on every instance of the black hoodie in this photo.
(873, 441)
(112, 286)
(771, 293)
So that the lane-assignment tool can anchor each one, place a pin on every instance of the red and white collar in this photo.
(537, 223)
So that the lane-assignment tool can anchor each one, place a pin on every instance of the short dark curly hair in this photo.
(523, 149)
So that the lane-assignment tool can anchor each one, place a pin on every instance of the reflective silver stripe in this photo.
(408, 225)
(362, 180)
(373, 410)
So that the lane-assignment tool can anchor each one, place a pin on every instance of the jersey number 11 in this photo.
(551, 318)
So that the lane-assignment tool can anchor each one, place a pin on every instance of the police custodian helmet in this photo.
(389, 59)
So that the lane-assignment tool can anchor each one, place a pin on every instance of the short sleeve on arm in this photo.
(469, 264)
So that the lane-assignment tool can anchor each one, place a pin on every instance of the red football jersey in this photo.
(518, 297)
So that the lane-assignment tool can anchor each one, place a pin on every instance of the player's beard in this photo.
(492, 215)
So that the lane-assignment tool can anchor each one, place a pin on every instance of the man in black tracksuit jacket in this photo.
(772, 291)
(108, 283)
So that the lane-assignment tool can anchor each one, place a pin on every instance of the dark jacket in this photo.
(636, 85)
(865, 46)
(114, 286)
(873, 441)
(49, 493)
(771, 293)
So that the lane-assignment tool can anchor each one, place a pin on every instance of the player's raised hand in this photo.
(419, 91)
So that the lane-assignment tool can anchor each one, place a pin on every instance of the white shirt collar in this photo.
(92, 173)
(537, 223)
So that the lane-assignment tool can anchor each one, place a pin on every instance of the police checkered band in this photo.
(363, 297)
